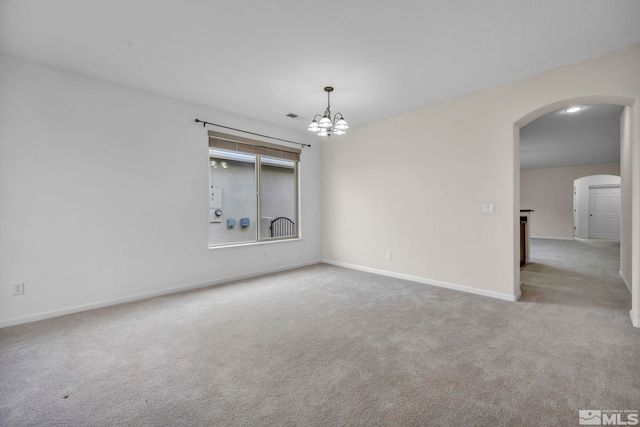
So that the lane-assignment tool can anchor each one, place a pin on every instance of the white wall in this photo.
(104, 195)
(626, 196)
(630, 180)
(415, 184)
(630, 206)
(549, 192)
(582, 199)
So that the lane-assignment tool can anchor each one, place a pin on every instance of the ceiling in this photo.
(265, 59)
(586, 137)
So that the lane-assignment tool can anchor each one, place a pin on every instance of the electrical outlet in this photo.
(388, 254)
(18, 288)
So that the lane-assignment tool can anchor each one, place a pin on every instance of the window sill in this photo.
(263, 242)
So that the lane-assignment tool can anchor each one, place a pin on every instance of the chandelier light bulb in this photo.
(325, 123)
(313, 127)
(341, 124)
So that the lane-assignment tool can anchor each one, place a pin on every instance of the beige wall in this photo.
(626, 195)
(415, 184)
(630, 173)
(550, 193)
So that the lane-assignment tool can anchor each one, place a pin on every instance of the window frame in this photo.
(296, 208)
(274, 152)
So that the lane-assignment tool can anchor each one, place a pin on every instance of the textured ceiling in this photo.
(265, 59)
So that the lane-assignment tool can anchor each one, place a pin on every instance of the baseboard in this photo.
(634, 322)
(552, 238)
(147, 295)
(624, 279)
(453, 286)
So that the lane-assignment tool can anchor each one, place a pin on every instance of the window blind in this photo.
(224, 141)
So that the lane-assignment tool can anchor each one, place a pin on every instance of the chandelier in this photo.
(327, 125)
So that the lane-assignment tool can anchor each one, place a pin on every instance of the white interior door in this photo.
(604, 212)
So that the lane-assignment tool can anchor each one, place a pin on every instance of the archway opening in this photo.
(567, 223)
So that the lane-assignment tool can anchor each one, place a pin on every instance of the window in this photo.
(254, 191)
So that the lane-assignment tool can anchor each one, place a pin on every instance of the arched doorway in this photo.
(630, 195)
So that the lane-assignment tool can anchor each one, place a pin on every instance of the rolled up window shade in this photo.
(224, 141)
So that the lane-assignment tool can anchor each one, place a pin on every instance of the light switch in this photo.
(488, 208)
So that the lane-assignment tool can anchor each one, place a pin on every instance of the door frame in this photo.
(618, 186)
(630, 244)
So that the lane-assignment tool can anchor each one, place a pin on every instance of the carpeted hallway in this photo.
(323, 345)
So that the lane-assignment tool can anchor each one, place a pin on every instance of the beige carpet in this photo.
(324, 345)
